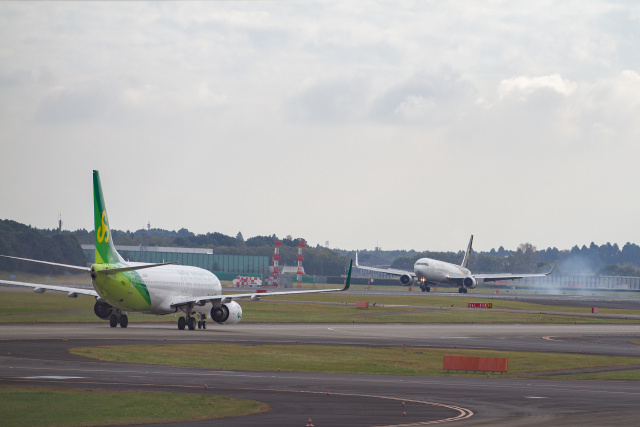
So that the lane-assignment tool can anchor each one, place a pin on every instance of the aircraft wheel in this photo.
(199, 324)
(124, 321)
(113, 320)
(192, 323)
(464, 291)
(460, 290)
(204, 325)
(181, 323)
(427, 289)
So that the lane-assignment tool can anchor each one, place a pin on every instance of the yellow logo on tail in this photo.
(103, 230)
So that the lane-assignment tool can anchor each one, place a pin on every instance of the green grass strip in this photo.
(340, 359)
(27, 307)
(49, 406)
(280, 312)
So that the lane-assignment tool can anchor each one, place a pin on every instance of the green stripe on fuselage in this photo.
(126, 291)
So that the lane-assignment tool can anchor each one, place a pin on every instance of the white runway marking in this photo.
(51, 377)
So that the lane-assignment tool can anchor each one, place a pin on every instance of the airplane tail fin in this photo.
(467, 254)
(105, 250)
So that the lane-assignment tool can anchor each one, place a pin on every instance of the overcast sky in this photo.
(408, 125)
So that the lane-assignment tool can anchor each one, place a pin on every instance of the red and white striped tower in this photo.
(276, 257)
(300, 259)
(276, 262)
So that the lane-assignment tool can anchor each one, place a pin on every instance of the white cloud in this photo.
(430, 109)
(332, 100)
(415, 108)
(524, 86)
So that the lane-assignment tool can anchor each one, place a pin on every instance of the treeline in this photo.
(27, 242)
(22, 241)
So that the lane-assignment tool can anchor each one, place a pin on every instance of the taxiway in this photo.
(36, 354)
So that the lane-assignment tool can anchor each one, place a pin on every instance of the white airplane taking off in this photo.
(121, 287)
(427, 272)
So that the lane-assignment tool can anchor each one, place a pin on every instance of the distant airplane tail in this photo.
(467, 254)
(105, 250)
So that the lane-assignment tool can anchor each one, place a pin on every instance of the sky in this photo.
(403, 125)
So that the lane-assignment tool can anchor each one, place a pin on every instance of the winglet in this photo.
(348, 282)
(552, 267)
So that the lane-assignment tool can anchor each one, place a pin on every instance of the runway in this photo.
(619, 301)
(36, 354)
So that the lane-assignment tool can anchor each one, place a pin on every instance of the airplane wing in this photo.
(40, 288)
(253, 296)
(509, 276)
(391, 271)
(226, 298)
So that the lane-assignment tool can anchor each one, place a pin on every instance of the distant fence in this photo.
(585, 282)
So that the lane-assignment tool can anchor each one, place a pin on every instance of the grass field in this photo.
(49, 406)
(19, 305)
(348, 359)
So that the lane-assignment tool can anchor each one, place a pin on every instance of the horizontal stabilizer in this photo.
(54, 264)
(137, 267)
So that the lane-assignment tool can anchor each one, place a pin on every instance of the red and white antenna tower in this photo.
(276, 262)
(300, 259)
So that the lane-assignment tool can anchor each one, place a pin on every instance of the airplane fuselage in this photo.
(153, 290)
(432, 271)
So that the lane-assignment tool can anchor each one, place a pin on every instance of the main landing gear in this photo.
(425, 288)
(118, 318)
(190, 322)
(462, 290)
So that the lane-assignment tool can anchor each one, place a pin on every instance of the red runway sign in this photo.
(480, 305)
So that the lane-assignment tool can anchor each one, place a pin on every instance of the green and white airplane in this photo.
(122, 287)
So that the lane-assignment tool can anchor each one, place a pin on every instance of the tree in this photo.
(525, 259)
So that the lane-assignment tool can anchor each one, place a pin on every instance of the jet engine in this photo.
(470, 282)
(228, 314)
(102, 309)
(406, 280)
